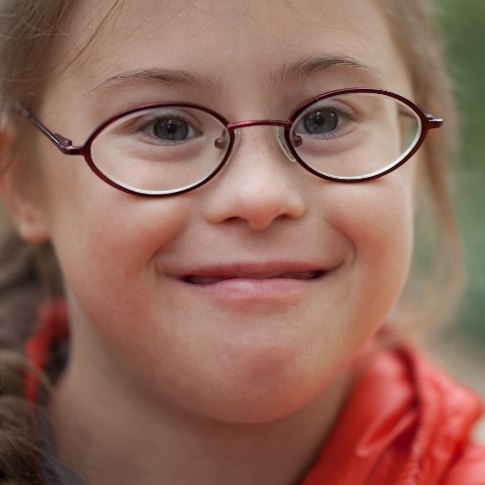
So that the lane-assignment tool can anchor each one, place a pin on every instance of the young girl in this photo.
(230, 189)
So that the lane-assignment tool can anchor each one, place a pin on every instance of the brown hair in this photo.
(29, 274)
(437, 275)
(29, 30)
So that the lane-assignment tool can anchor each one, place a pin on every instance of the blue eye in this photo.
(321, 122)
(327, 119)
(170, 129)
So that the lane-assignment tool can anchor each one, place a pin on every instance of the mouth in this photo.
(208, 279)
(268, 285)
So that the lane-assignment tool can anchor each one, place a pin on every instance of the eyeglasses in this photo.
(348, 135)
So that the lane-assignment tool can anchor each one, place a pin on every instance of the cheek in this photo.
(378, 218)
(105, 238)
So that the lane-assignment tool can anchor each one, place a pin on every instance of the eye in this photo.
(325, 121)
(170, 128)
(321, 122)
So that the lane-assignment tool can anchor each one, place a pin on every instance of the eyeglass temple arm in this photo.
(63, 144)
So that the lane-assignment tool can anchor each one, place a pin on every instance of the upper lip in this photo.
(252, 270)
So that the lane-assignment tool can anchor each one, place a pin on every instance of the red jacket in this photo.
(405, 422)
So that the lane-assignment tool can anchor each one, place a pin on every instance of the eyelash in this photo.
(341, 110)
(143, 126)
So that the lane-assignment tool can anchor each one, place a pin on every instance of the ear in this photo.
(21, 198)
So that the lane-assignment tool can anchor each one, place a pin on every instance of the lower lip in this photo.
(254, 291)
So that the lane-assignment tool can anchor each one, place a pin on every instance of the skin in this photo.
(242, 378)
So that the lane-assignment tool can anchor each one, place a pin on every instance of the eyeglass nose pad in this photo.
(282, 143)
(220, 143)
(237, 139)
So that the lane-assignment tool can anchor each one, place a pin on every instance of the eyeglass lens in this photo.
(355, 135)
(163, 149)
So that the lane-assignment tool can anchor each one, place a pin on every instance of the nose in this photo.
(259, 184)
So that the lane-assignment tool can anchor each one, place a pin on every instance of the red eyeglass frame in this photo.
(428, 121)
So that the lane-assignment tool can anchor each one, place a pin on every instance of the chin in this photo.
(266, 387)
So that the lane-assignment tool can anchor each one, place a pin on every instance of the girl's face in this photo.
(243, 299)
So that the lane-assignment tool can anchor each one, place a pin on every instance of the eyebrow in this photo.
(307, 66)
(170, 77)
(296, 70)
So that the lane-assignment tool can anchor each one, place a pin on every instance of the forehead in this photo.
(237, 43)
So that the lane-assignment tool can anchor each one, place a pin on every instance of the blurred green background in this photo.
(464, 28)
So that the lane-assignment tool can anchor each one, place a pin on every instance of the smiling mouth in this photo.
(292, 275)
